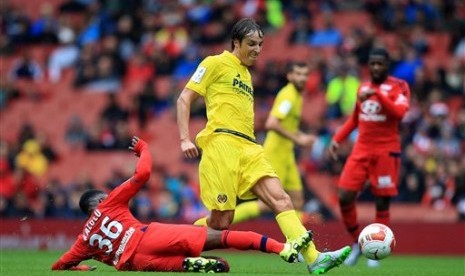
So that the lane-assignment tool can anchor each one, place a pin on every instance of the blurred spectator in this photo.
(421, 12)
(419, 40)
(453, 78)
(423, 85)
(15, 24)
(57, 201)
(186, 64)
(26, 132)
(142, 206)
(31, 159)
(407, 66)
(8, 185)
(359, 42)
(128, 36)
(76, 133)
(46, 147)
(106, 77)
(459, 52)
(302, 31)
(6, 45)
(459, 196)
(341, 94)
(65, 56)
(85, 68)
(139, 70)
(45, 28)
(328, 35)
(145, 103)
(26, 68)
(7, 93)
(113, 112)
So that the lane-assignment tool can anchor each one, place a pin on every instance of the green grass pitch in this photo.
(32, 263)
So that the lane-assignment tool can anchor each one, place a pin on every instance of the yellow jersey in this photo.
(287, 107)
(226, 86)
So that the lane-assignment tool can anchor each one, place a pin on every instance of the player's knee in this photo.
(345, 198)
(220, 222)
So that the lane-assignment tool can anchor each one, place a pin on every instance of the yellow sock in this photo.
(201, 222)
(292, 228)
(245, 211)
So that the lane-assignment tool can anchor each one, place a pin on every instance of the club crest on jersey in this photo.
(222, 198)
(370, 111)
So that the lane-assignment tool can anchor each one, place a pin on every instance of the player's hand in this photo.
(333, 148)
(305, 140)
(83, 268)
(365, 94)
(189, 149)
(137, 145)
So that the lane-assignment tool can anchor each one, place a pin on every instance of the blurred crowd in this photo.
(109, 45)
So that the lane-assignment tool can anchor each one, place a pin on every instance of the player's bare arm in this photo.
(333, 148)
(183, 105)
(299, 138)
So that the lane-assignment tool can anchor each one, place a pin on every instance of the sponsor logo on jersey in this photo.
(370, 111)
(222, 198)
(241, 87)
(122, 245)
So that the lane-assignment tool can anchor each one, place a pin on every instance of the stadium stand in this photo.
(49, 107)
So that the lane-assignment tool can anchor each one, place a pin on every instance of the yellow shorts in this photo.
(286, 168)
(230, 166)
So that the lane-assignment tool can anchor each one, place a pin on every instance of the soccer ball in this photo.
(376, 241)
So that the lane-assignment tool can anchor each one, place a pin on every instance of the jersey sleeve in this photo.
(349, 125)
(124, 192)
(399, 105)
(282, 106)
(203, 76)
(76, 254)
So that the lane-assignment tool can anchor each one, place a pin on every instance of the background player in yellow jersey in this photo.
(283, 133)
(233, 164)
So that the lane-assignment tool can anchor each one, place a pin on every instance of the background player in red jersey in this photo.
(381, 105)
(113, 236)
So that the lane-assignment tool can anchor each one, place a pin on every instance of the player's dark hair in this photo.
(89, 200)
(291, 65)
(242, 28)
(379, 52)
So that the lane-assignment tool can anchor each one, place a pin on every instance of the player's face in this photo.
(248, 50)
(298, 77)
(378, 68)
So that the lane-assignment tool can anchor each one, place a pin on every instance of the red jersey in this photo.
(378, 117)
(111, 234)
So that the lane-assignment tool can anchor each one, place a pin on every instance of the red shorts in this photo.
(164, 247)
(381, 168)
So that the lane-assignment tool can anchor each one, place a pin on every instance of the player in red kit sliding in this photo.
(381, 105)
(112, 235)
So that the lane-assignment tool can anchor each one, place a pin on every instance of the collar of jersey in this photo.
(232, 57)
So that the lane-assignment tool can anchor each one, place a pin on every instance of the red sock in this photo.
(247, 240)
(383, 217)
(349, 217)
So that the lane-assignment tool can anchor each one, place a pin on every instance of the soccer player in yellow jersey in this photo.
(283, 133)
(232, 163)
